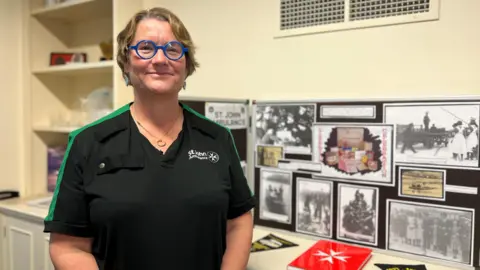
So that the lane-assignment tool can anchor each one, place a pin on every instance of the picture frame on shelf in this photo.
(63, 58)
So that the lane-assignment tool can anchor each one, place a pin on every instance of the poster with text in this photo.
(355, 152)
(230, 115)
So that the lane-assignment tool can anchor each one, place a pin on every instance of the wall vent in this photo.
(298, 17)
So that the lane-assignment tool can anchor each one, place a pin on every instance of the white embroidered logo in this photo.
(209, 155)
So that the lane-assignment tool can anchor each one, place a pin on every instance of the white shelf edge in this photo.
(75, 67)
(53, 129)
(59, 7)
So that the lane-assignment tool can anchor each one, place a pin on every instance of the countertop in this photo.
(278, 259)
(265, 260)
(23, 208)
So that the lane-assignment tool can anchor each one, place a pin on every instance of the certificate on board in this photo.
(230, 115)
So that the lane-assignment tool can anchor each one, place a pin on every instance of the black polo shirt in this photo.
(146, 209)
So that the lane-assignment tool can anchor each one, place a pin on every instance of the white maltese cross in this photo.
(331, 256)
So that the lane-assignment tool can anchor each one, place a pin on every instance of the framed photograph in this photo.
(422, 183)
(429, 230)
(287, 125)
(357, 214)
(435, 134)
(276, 195)
(314, 207)
(59, 58)
(355, 152)
(268, 155)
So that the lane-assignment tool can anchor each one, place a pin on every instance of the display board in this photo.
(230, 113)
(396, 175)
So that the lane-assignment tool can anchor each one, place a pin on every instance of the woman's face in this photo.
(158, 74)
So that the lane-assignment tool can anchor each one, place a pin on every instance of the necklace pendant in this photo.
(161, 143)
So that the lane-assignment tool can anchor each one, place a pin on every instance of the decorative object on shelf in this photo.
(98, 104)
(50, 3)
(107, 50)
(62, 58)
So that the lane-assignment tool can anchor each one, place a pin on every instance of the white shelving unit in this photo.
(54, 91)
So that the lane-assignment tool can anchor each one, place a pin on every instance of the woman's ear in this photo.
(126, 71)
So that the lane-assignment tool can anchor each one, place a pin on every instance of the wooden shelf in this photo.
(103, 67)
(53, 93)
(76, 10)
(50, 129)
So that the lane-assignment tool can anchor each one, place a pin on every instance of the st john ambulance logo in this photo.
(213, 157)
(209, 155)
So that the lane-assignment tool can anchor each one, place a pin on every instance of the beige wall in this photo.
(240, 58)
(11, 93)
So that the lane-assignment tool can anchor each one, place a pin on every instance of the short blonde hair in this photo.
(125, 37)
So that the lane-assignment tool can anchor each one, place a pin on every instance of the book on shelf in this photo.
(54, 160)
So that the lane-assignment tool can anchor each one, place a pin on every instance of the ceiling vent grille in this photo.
(299, 17)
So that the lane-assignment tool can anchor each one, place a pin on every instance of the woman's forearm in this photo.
(239, 242)
(72, 259)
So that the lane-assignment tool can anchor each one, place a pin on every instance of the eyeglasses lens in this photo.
(146, 49)
(173, 50)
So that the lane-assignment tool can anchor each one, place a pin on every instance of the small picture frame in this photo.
(422, 183)
(62, 58)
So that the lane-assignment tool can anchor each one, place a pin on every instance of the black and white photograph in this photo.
(437, 134)
(314, 207)
(435, 231)
(288, 125)
(276, 195)
(353, 152)
(357, 214)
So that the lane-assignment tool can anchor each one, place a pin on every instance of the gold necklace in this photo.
(160, 142)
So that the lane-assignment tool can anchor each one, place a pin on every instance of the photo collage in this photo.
(393, 175)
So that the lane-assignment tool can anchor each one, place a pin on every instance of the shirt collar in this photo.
(120, 121)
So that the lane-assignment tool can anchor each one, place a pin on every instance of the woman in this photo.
(154, 185)
(458, 145)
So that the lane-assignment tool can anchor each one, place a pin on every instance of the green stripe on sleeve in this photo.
(71, 139)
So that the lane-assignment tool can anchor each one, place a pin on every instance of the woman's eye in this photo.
(146, 47)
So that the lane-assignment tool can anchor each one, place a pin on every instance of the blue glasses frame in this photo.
(161, 47)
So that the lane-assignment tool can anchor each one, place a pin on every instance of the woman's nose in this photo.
(159, 57)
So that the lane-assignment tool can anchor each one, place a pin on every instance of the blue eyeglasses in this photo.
(147, 49)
